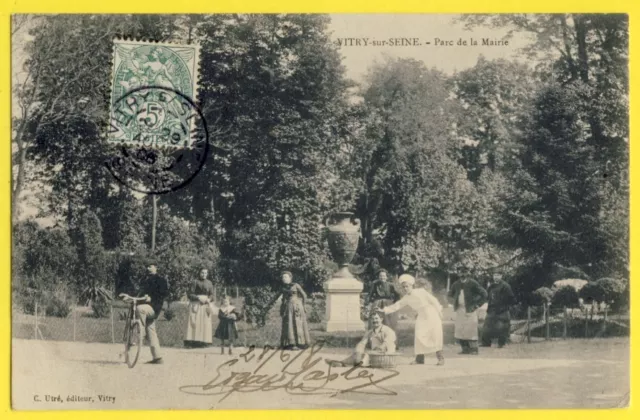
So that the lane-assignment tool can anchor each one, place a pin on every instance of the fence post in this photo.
(528, 324)
(546, 322)
(564, 323)
(75, 309)
(35, 327)
(586, 326)
(113, 334)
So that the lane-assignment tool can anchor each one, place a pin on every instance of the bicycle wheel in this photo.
(133, 344)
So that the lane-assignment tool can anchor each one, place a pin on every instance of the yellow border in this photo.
(336, 6)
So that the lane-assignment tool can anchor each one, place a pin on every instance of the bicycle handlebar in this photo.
(125, 296)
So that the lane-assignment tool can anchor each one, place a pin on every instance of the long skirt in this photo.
(227, 330)
(428, 332)
(295, 330)
(199, 325)
(466, 327)
(390, 320)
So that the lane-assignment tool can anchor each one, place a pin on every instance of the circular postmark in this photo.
(160, 137)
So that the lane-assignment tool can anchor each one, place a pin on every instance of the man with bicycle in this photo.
(155, 289)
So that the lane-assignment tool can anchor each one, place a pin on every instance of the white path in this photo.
(94, 371)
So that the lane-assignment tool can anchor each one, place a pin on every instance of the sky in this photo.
(425, 27)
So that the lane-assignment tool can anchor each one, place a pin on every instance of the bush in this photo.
(541, 296)
(101, 308)
(519, 311)
(57, 306)
(592, 292)
(318, 307)
(56, 302)
(257, 302)
(566, 297)
(612, 289)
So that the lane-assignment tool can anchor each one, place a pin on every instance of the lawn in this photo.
(82, 327)
(171, 333)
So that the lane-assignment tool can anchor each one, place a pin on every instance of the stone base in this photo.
(343, 305)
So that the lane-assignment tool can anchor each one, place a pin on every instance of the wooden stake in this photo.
(35, 329)
(564, 329)
(113, 333)
(586, 326)
(547, 332)
(528, 324)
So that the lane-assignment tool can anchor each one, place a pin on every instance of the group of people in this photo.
(199, 332)
(467, 297)
(384, 301)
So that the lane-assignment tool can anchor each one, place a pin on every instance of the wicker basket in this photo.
(383, 360)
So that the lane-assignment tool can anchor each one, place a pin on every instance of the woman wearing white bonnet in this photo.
(428, 327)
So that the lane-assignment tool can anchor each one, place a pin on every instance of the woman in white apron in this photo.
(428, 327)
(467, 297)
(201, 310)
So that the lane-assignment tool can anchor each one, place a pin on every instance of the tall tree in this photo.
(409, 129)
(274, 88)
(584, 57)
(69, 60)
(495, 96)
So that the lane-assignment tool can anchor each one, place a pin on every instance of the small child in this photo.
(227, 329)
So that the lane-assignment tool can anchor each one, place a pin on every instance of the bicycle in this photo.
(133, 335)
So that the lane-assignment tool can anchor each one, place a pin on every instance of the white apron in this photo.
(428, 327)
(200, 324)
(466, 323)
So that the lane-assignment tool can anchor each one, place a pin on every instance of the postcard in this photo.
(320, 211)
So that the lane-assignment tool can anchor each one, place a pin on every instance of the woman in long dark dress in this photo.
(227, 330)
(199, 324)
(383, 294)
(295, 330)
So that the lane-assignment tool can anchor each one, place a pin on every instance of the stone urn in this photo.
(343, 233)
(343, 290)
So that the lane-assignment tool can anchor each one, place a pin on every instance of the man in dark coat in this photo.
(467, 296)
(156, 289)
(498, 321)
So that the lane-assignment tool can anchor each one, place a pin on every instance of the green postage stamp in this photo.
(153, 92)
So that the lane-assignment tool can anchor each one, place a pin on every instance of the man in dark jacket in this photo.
(467, 296)
(156, 289)
(498, 321)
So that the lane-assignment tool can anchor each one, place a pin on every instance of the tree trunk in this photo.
(154, 222)
(448, 280)
(567, 48)
(19, 181)
(581, 39)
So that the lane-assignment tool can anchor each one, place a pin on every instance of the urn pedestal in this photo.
(343, 290)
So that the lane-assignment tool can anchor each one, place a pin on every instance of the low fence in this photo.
(548, 323)
(538, 323)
